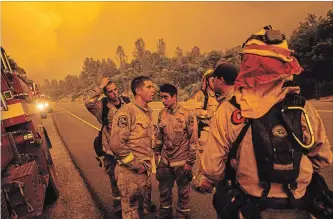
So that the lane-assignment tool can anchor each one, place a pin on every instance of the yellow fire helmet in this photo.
(267, 36)
(208, 73)
(270, 43)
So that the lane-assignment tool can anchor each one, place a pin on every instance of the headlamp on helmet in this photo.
(268, 36)
(208, 73)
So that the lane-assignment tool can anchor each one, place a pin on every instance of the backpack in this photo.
(276, 151)
(201, 125)
(278, 155)
(98, 142)
(98, 145)
(126, 99)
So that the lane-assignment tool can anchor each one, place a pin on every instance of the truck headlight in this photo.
(40, 106)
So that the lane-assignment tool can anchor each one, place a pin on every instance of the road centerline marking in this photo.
(153, 163)
(82, 120)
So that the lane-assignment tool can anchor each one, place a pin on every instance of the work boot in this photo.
(165, 213)
(151, 208)
(183, 213)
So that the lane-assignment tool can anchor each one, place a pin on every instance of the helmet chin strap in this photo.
(209, 85)
(221, 97)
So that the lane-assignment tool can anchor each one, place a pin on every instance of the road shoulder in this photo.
(75, 200)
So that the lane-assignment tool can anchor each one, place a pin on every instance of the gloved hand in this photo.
(136, 166)
(188, 172)
(186, 176)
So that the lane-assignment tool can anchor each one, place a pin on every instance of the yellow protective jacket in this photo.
(95, 107)
(256, 102)
(198, 100)
(132, 135)
(177, 137)
(203, 115)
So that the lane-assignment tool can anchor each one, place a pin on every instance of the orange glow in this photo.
(51, 39)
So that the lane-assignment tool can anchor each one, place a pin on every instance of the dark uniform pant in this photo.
(167, 177)
(135, 192)
(110, 164)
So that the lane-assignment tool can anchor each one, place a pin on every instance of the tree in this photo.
(70, 84)
(47, 84)
(304, 38)
(211, 59)
(313, 45)
(136, 65)
(146, 62)
(121, 57)
(61, 84)
(195, 52)
(161, 47)
(312, 41)
(232, 56)
(139, 49)
(178, 52)
(54, 84)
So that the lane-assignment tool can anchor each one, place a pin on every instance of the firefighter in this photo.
(96, 107)
(175, 152)
(205, 105)
(280, 147)
(131, 142)
(224, 78)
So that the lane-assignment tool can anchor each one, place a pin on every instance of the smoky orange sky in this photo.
(51, 39)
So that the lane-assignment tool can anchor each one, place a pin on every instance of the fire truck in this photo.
(28, 177)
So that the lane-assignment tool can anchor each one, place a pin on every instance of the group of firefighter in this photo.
(254, 138)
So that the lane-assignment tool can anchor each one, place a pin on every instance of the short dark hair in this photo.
(104, 88)
(168, 88)
(138, 82)
(226, 71)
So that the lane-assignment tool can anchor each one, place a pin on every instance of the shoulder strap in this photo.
(105, 111)
(206, 99)
(125, 99)
(242, 133)
(234, 103)
(239, 139)
(230, 173)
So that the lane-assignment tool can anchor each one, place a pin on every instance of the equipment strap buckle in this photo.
(306, 146)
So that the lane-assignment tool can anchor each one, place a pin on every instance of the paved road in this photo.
(74, 199)
(78, 128)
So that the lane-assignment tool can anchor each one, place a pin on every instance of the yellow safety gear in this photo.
(128, 158)
(208, 73)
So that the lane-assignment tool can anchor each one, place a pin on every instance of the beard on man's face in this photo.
(113, 97)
